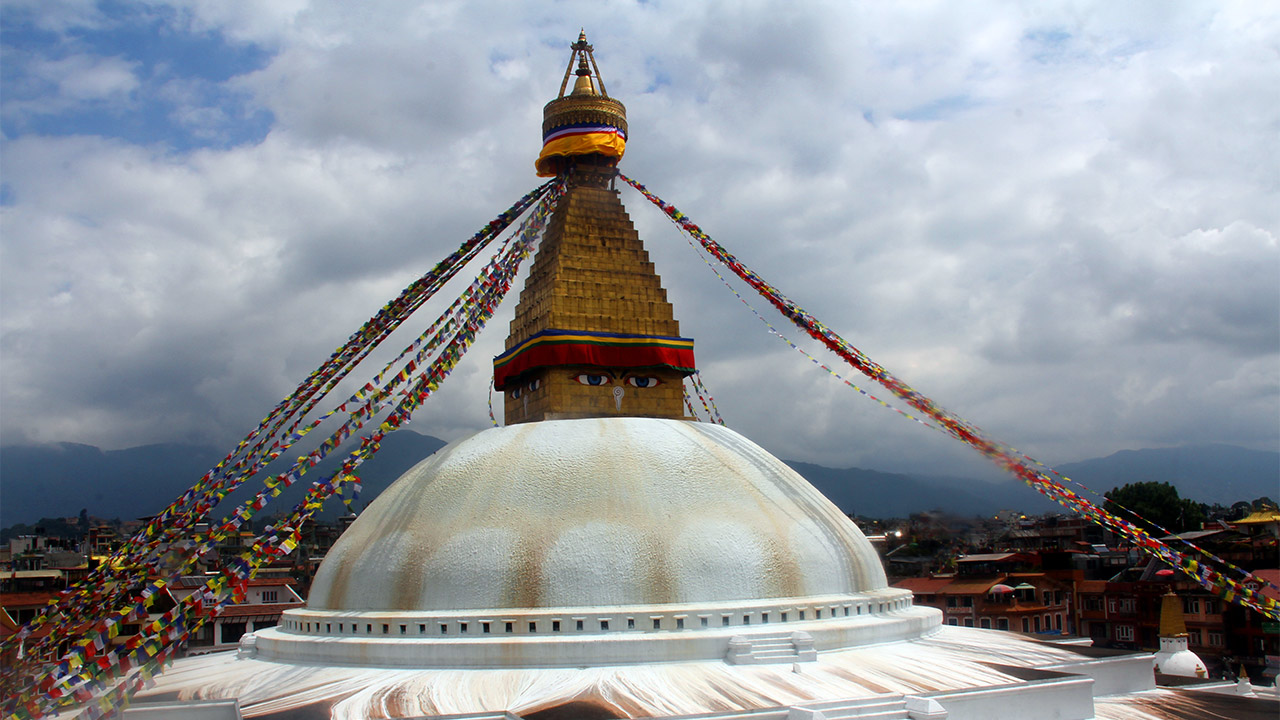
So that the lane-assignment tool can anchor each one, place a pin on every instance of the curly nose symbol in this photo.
(617, 397)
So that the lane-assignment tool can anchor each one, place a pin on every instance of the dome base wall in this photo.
(570, 637)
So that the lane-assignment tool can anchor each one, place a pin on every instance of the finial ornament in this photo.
(584, 126)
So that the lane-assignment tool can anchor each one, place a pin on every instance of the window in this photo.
(533, 627)
(1036, 619)
(1191, 606)
(555, 626)
(404, 629)
(1057, 621)
(631, 623)
(704, 620)
(386, 629)
(1128, 605)
(679, 623)
(578, 625)
(604, 624)
(232, 632)
(817, 613)
(951, 602)
(952, 621)
(1057, 597)
(1048, 597)
(968, 622)
(725, 621)
(985, 623)
(484, 628)
(746, 619)
(510, 627)
(269, 596)
(444, 629)
(966, 602)
(784, 617)
(657, 623)
(1124, 633)
(1111, 605)
(422, 628)
(764, 617)
(1026, 625)
(1215, 639)
(1002, 623)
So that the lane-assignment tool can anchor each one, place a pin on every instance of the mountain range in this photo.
(58, 480)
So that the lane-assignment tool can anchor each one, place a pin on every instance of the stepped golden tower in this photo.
(593, 334)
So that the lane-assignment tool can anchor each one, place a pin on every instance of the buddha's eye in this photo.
(515, 391)
(643, 382)
(535, 384)
(590, 379)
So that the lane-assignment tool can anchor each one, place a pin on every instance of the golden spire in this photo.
(594, 334)
(586, 124)
(1172, 624)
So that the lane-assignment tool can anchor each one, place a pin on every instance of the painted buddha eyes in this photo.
(534, 384)
(642, 381)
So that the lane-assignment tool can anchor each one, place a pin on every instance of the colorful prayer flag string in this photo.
(1026, 470)
(82, 674)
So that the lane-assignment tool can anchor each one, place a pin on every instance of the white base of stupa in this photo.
(968, 673)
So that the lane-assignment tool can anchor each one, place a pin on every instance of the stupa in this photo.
(1174, 657)
(603, 556)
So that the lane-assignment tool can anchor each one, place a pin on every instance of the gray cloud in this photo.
(1059, 223)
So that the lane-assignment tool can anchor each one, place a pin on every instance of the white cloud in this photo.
(1058, 222)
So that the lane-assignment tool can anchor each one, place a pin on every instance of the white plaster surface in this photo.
(616, 511)
(1175, 658)
(942, 662)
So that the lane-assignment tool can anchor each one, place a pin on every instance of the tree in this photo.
(1148, 504)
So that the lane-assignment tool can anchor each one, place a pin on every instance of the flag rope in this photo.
(82, 673)
(1017, 463)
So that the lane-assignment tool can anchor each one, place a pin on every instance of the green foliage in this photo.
(50, 527)
(1148, 504)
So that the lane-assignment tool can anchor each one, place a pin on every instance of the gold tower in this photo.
(593, 334)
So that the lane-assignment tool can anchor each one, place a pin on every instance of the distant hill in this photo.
(1209, 474)
(58, 480)
(880, 494)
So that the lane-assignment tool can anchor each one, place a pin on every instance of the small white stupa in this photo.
(1174, 658)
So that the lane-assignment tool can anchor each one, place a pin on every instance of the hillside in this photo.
(59, 480)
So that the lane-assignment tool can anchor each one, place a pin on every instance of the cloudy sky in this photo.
(1059, 220)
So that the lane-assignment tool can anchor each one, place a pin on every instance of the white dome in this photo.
(595, 512)
(1174, 658)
